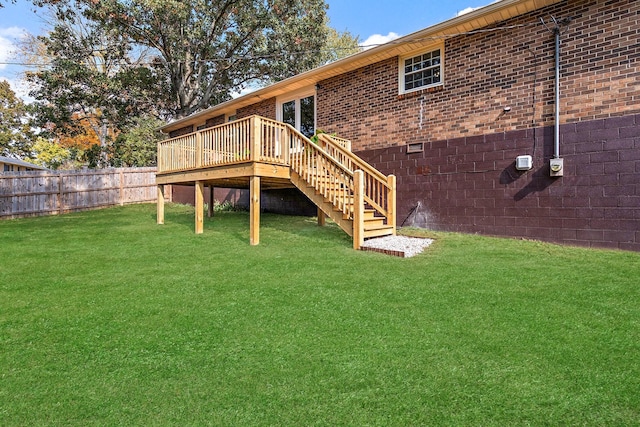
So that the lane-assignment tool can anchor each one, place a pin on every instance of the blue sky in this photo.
(373, 21)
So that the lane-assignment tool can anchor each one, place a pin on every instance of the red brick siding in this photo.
(266, 108)
(470, 184)
(488, 71)
(215, 121)
(182, 131)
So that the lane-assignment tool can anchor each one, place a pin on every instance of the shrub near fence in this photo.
(38, 193)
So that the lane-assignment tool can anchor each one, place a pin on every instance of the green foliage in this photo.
(137, 145)
(15, 133)
(89, 80)
(107, 318)
(50, 154)
(315, 138)
(196, 53)
(339, 45)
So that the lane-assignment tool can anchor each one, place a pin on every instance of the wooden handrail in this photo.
(376, 185)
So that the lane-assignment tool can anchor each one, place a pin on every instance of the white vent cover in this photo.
(524, 163)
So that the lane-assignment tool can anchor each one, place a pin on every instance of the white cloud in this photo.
(8, 39)
(378, 39)
(21, 88)
(7, 50)
(467, 10)
(471, 9)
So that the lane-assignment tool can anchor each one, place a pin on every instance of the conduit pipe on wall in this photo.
(556, 134)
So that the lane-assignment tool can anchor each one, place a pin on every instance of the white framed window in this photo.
(421, 71)
(298, 110)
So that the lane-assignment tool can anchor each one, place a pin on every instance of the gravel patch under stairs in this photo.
(401, 246)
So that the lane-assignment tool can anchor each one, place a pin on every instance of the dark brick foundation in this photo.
(471, 185)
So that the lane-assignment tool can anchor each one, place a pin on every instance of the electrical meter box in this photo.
(556, 167)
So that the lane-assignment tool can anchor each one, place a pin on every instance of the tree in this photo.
(50, 154)
(14, 130)
(88, 81)
(339, 45)
(137, 145)
(200, 51)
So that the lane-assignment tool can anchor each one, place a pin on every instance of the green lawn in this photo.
(109, 319)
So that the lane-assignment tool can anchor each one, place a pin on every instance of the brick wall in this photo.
(182, 131)
(214, 121)
(488, 71)
(266, 108)
(470, 184)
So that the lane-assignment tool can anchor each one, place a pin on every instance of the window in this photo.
(421, 71)
(299, 112)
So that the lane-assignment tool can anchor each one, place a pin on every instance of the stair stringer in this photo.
(346, 224)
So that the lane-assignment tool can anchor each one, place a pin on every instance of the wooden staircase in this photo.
(357, 197)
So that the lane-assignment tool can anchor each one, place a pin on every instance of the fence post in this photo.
(391, 202)
(358, 209)
(121, 188)
(60, 193)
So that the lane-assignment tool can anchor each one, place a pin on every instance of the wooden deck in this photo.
(259, 153)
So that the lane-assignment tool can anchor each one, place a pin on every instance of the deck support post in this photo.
(391, 202)
(358, 209)
(322, 218)
(160, 205)
(254, 210)
(211, 202)
(199, 207)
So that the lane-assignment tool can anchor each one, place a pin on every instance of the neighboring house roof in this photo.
(496, 12)
(18, 162)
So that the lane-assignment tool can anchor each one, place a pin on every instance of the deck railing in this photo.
(328, 166)
(379, 190)
(235, 142)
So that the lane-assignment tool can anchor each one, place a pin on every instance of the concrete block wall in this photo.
(471, 185)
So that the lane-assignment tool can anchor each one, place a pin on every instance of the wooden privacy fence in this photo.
(38, 193)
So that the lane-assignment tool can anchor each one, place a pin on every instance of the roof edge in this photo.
(268, 91)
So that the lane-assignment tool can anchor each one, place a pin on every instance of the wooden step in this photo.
(378, 231)
(373, 222)
(369, 214)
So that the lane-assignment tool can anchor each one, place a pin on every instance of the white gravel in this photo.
(401, 246)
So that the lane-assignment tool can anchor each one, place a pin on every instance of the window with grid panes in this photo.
(421, 71)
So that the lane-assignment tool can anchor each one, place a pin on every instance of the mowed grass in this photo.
(109, 319)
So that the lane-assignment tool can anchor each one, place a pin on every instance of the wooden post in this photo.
(391, 202)
(61, 193)
(211, 201)
(254, 210)
(322, 218)
(358, 209)
(199, 149)
(121, 188)
(199, 207)
(160, 205)
(285, 140)
(255, 138)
